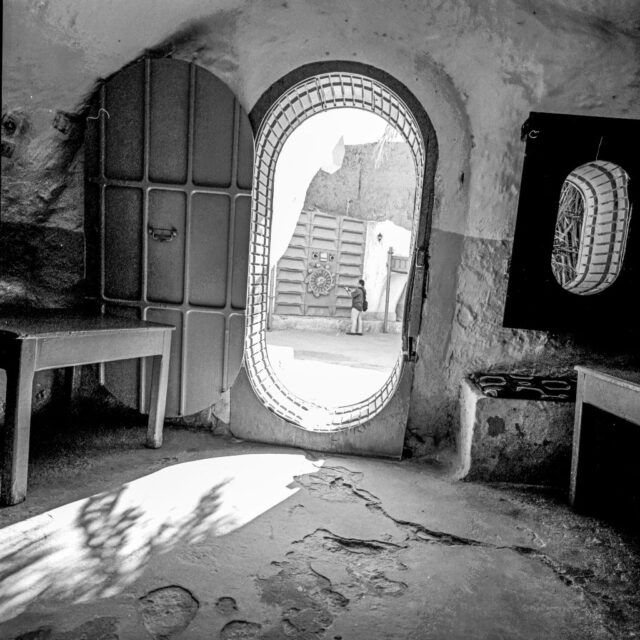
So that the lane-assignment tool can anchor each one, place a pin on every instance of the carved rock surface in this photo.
(226, 605)
(240, 630)
(168, 611)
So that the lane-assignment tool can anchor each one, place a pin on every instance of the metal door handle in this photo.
(162, 235)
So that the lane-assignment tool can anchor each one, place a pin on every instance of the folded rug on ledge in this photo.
(525, 387)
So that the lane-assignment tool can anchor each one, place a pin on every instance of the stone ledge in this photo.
(514, 440)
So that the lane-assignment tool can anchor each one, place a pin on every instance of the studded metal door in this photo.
(169, 167)
(325, 254)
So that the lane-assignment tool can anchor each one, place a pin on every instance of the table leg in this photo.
(159, 378)
(70, 384)
(15, 445)
(577, 436)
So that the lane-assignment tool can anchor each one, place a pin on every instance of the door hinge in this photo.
(409, 353)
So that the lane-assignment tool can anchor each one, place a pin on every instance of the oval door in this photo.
(169, 167)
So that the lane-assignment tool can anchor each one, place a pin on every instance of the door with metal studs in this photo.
(169, 167)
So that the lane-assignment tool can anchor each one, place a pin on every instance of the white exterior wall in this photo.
(375, 264)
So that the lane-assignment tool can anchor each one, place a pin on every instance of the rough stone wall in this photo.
(364, 189)
(514, 440)
(42, 242)
(478, 68)
(472, 338)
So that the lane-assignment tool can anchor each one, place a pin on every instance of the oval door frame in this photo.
(381, 94)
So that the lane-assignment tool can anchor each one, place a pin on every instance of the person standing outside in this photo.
(358, 306)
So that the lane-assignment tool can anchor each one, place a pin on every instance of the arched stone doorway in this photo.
(298, 96)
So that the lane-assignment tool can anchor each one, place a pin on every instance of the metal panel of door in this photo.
(292, 270)
(320, 240)
(169, 172)
(353, 237)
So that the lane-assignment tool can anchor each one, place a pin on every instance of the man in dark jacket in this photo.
(358, 298)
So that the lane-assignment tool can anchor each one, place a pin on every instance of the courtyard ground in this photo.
(332, 368)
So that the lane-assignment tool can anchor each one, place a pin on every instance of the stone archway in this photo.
(315, 92)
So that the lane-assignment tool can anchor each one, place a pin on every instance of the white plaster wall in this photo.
(375, 264)
(478, 68)
(305, 152)
(318, 143)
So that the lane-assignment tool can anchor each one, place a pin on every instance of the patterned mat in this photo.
(523, 387)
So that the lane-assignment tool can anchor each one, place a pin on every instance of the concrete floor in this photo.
(332, 368)
(211, 538)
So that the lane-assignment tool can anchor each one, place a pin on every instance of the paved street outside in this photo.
(333, 369)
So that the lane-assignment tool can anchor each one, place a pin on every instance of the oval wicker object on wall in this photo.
(591, 228)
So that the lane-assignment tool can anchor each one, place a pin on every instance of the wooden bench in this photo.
(39, 340)
(615, 391)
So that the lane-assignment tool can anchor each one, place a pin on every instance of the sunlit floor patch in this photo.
(97, 546)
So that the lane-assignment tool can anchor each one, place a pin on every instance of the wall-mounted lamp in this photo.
(379, 237)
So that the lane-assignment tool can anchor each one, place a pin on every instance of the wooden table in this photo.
(612, 390)
(54, 339)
